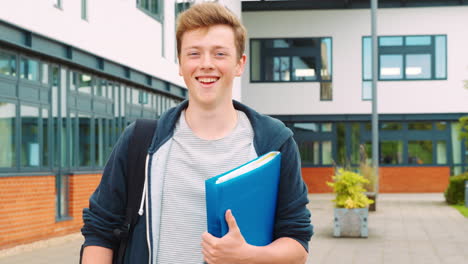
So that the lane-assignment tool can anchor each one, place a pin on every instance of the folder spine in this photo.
(214, 227)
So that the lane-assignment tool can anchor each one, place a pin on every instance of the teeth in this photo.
(207, 80)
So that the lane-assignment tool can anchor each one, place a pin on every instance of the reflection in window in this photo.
(326, 91)
(306, 127)
(7, 135)
(423, 57)
(418, 66)
(309, 153)
(153, 7)
(326, 127)
(45, 138)
(45, 73)
(420, 152)
(441, 152)
(420, 126)
(327, 158)
(29, 136)
(29, 69)
(366, 90)
(291, 59)
(390, 67)
(391, 152)
(391, 126)
(84, 83)
(304, 68)
(99, 141)
(7, 63)
(441, 125)
(84, 137)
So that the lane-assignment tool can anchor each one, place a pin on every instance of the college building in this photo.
(310, 66)
(75, 73)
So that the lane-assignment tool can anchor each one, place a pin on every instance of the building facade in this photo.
(312, 70)
(73, 75)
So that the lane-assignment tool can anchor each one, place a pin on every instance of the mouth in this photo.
(207, 80)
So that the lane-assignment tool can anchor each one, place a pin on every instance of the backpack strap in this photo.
(139, 144)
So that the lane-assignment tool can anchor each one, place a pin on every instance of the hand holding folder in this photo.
(250, 191)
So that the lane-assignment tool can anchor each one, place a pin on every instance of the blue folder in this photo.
(251, 196)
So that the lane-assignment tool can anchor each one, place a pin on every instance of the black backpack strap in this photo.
(139, 144)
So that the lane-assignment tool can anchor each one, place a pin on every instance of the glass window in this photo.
(306, 127)
(84, 83)
(57, 3)
(407, 58)
(303, 68)
(341, 144)
(143, 97)
(99, 140)
(326, 127)
(389, 126)
(420, 152)
(326, 91)
(152, 7)
(418, 66)
(390, 41)
(418, 41)
(72, 140)
(441, 57)
(355, 143)
(110, 90)
(135, 96)
(45, 73)
(327, 157)
(84, 137)
(441, 152)
(390, 67)
(441, 125)
(326, 56)
(309, 153)
(7, 63)
(420, 126)
(84, 9)
(73, 80)
(366, 90)
(45, 138)
(391, 152)
(29, 69)
(7, 135)
(291, 59)
(29, 136)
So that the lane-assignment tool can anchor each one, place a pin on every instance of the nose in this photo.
(207, 63)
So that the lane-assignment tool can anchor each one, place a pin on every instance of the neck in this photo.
(211, 124)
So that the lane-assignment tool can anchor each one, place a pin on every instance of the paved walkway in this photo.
(407, 228)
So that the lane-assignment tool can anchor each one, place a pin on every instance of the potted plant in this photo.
(351, 204)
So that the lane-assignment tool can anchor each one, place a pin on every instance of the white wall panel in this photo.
(346, 27)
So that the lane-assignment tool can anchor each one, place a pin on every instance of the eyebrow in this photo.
(198, 47)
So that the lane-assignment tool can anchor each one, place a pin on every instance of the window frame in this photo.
(405, 50)
(316, 52)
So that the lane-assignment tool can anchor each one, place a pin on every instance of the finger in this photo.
(209, 239)
(231, 221)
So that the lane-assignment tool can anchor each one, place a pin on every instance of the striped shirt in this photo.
(191, 161)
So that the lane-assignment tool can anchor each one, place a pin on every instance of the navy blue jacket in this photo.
(107, 204)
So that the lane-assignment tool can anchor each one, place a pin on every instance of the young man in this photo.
(200, 138)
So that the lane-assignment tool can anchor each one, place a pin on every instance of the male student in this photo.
(198, 139)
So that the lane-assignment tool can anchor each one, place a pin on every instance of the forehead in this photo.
(217, 35)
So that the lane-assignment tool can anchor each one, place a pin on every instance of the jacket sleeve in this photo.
(108, 202)
(292, 215)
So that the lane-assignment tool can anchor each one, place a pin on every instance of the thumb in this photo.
(231, 221)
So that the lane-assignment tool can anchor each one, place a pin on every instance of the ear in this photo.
(241, 65)
(180, 67)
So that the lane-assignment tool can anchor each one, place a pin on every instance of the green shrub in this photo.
(455, 193)
(349, 190)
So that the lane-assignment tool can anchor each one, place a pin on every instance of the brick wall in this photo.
(413, 179)
(392, 179)
(27, 207)
(316, 178)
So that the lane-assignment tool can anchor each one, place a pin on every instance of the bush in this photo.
(349, 190)
(455, 193)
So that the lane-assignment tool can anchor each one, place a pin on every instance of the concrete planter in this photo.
(350, 222)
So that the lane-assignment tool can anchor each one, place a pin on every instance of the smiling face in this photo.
(209, 63)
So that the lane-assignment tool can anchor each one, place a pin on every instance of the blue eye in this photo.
(193, 53)
(220, 53)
